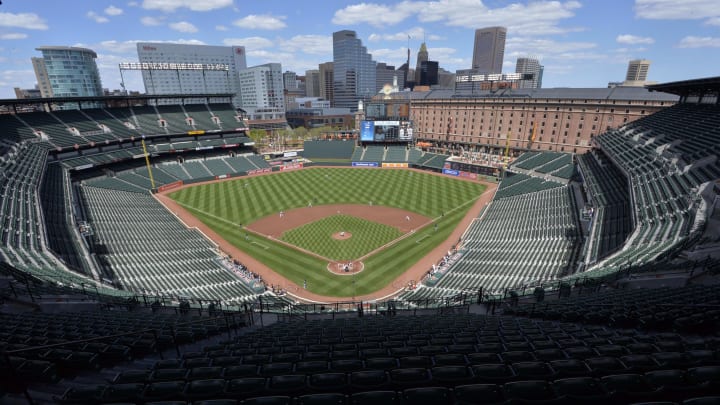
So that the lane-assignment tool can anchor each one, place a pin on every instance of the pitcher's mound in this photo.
(342, 235)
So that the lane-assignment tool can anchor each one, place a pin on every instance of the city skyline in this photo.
(580, 43)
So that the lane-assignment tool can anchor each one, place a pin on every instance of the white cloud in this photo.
(15, 78)
(261, 22)
(633, 39)
(13, 35)
(534, 18)
(112, 10)
(97, 17)
(699, 42)
(550, 49)
(133, 4)
(416, 34)
(194, 5)
(29, 21)
(377, 15)
(183, 26)
(250, 43)
(152, 21)
(713, 21)
(677, 10)
(221, 28)
(309, 44)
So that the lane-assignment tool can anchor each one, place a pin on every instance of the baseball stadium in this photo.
(152, 252)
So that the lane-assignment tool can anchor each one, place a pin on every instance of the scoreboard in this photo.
(385, 131)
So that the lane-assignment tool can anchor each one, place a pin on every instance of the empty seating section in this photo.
(414, 155)
(175, 170)
(517, 183)
(116, 124)
(538, 159)
(373, 153)
(608, 194)
(149, 250)
(147, 119)
(664, 199)
(432, 160)
(689, 309)
(85, 125)
(396, 154)
(201, 115)
(357, 154)
(14, 129)
(440, 359)
(56, 202)
(20, 220)
(226, 115)
(48, 125)
(67, 128)
(197, 169)
(22, 245)
(241, 164)
(526, 238)
(175, 118)
(555, 164)
(218, 166)
(258, 161)
(115, 183)
(328, 149)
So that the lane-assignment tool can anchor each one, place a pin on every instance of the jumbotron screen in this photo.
(385, 131)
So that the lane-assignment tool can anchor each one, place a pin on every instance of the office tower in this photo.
(326, 81)
(637, 70)
(262, 87)
(529, 66)
(385, 74)
(192, 81)
(312, 83)
(427, 73)
(65, 71)
(353, 70)
(422, 56)
(290, 81)
(489, 50)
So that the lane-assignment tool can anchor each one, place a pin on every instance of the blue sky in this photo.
(584, 43)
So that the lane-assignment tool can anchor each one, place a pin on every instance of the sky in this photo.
(581, 43)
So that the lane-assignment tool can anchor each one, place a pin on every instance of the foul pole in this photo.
(147, 163)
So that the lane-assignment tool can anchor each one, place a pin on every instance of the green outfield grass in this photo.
(224, 206)
(317, 237)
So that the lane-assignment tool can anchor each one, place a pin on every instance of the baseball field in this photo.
(308, 225)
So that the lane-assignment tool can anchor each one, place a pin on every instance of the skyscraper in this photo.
(422, 56)
(326, 81)
(637, 70)
(262, 86)
(290, 81)
(531, 66)
(192, 81)
(489, 50)
(65, 71)
(353, 70)
(312, 83)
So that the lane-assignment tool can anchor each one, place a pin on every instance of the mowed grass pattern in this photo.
(317, 237)
(223, 206)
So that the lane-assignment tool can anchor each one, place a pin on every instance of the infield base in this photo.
(345, 268)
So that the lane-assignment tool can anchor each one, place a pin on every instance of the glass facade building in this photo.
(68, 72)
(353, 71)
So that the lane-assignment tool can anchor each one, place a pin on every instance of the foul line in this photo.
(191, 208)
(423, 238)
(261, 245)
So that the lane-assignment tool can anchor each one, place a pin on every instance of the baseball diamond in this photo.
(290, 222)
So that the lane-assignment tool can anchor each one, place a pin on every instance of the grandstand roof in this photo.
(600, 93)
(52, 100)
(693, 87)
